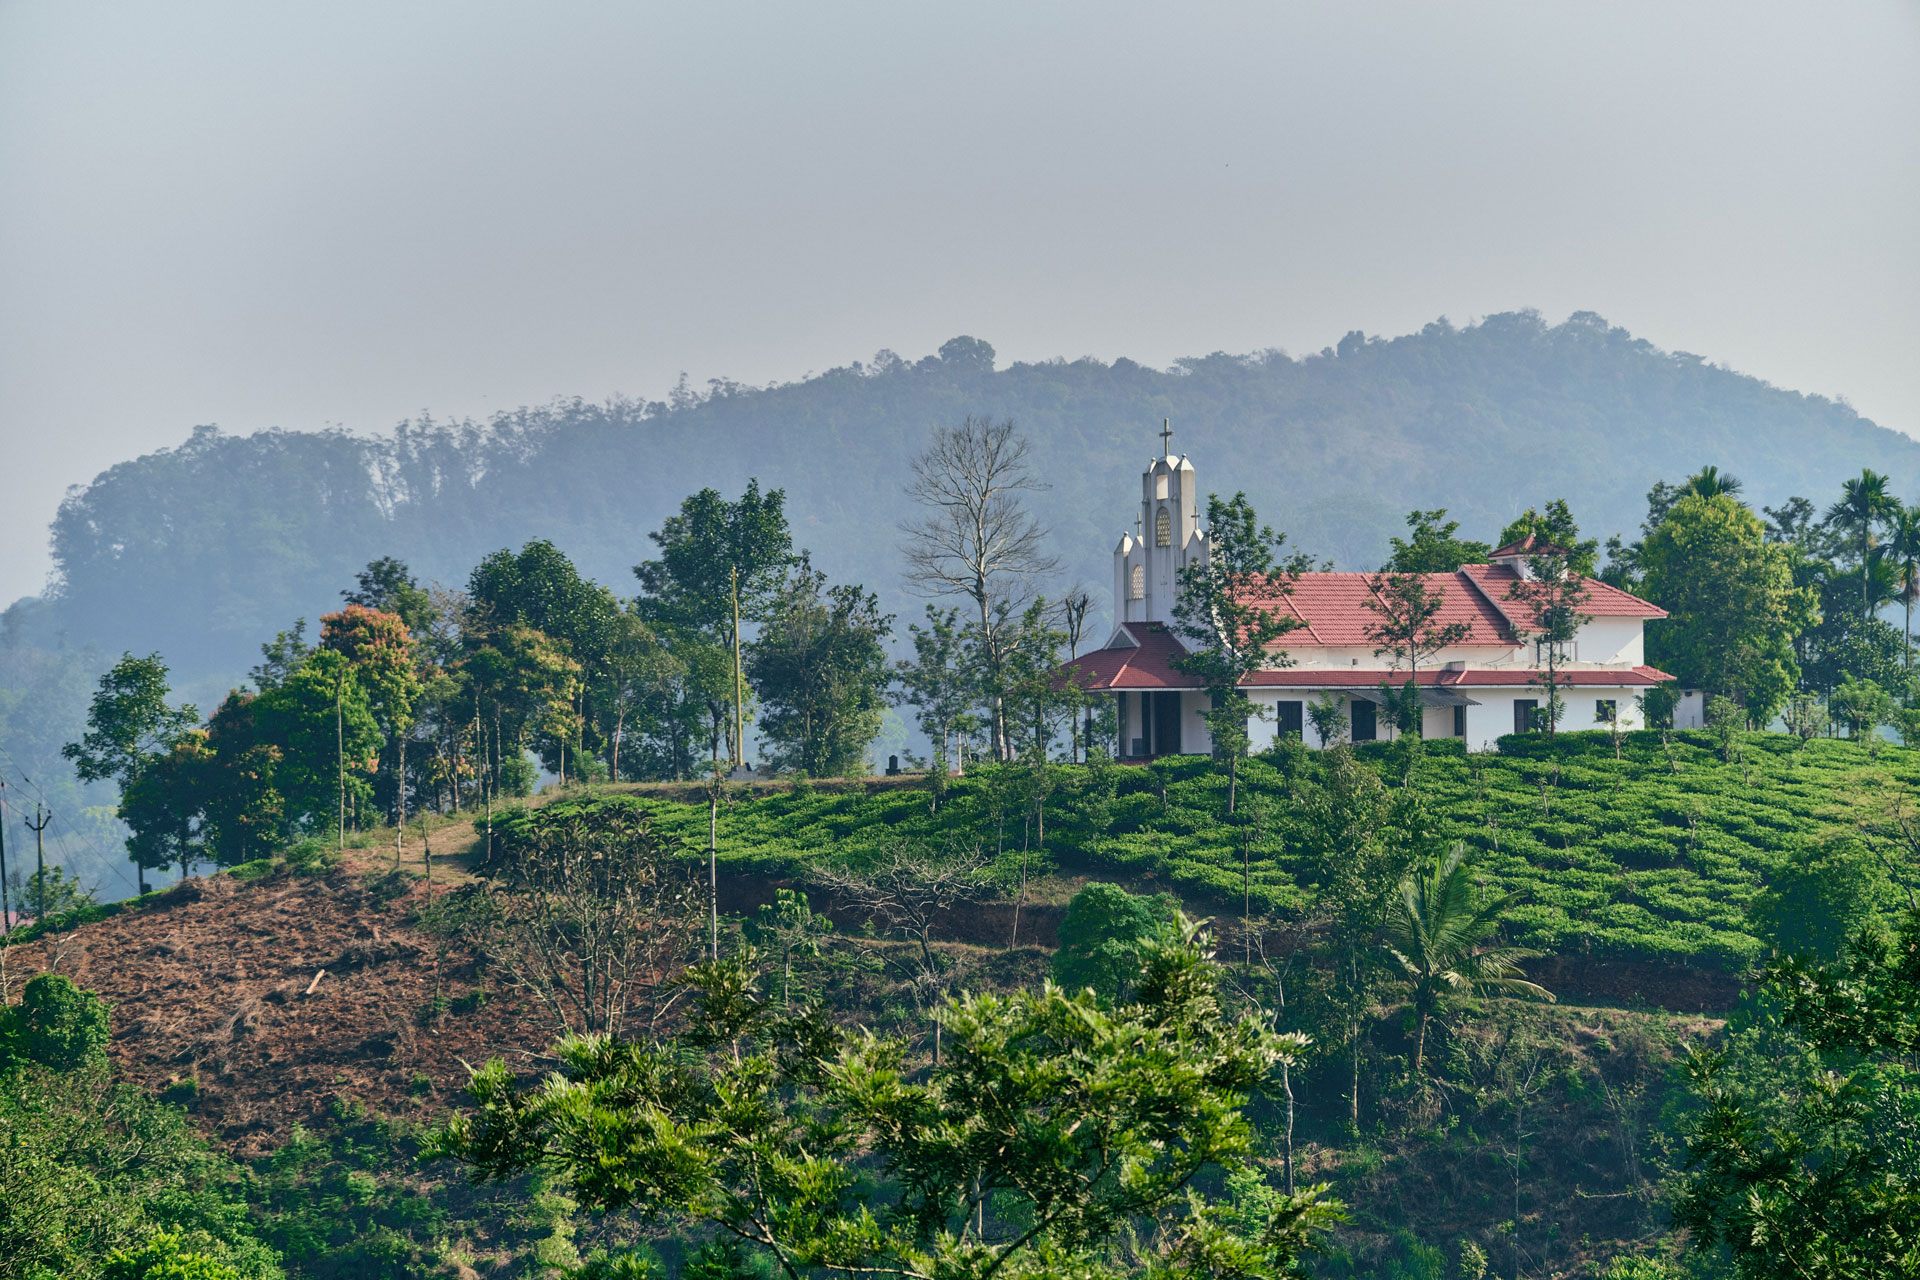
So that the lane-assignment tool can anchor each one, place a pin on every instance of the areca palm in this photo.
(1905, 548)
(1864, 504)
(1712, 482)
(1437, 935)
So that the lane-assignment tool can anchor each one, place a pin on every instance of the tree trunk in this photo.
(1286, 1086)
(399, 831)
(340, 748)
(1020, 900)
(1420, 1042)
(1353, 1097)
(619, 727)
(713, 851)
(1233, 780)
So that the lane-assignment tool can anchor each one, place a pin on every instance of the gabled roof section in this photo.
(1603, 601)
(1447, 678)
(1333, 610)
(1147, 664)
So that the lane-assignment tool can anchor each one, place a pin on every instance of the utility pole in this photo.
(39, 828)
(739, 710)
(6, 910)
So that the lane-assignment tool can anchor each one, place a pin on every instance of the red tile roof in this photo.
(1148, 665)
(1603, 601)
(1333, 606)
(1471, 677)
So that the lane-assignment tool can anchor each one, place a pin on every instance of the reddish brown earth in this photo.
(216, 985)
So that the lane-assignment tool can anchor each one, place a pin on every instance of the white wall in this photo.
(1612, 642)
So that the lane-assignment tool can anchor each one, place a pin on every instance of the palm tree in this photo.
(1714, 483)
(1904, 544)
(1864, 503)
(1436, 934)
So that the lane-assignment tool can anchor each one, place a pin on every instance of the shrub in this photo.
(1101, 936)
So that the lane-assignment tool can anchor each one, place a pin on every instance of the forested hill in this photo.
(203, 550)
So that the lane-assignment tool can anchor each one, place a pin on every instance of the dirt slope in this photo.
(216, 985)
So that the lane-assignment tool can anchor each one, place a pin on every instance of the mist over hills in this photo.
(204, 550)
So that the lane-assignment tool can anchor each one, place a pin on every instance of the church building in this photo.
(1487, 685)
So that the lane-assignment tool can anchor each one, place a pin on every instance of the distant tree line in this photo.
(417, 697)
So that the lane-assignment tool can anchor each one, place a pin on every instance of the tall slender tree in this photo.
(976, 539)
(1407, 627)
(1865, 506)
(1904, 545)
(1550, 594)
(1230, 618)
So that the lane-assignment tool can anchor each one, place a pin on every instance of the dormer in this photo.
(1518, 555)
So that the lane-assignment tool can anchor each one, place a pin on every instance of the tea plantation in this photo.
(1658, 855)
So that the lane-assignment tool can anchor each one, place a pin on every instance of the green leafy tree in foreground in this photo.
(1228, 617)
(1822, 898)
(1057, 1138)
(1438, 938)
(1804, 1141)
(98, 1178)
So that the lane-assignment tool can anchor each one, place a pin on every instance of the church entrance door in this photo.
(1166, 724)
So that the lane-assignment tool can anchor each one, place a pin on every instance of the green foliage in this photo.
(762, 1126)
(129, 723)
(1556, 527)
(1433, 548)
(90, 1167)
(1103, 936)
(1225, 621)
(1660, 855)
(56, 1025)
(1733, 606)
(1438, 937)
(819, 667)
(1800, 1147)
(1823, 897)
(166, 1256)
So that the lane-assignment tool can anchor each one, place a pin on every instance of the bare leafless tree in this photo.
(592, 915)
(909, 890)
(977, 539)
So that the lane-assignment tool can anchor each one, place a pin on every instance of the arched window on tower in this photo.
(1163, 529)
(1137, 585)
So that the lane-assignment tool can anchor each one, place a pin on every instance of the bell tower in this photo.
(1166, 538)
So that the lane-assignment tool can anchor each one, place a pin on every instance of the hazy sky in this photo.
(342, 214)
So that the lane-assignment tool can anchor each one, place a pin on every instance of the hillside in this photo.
(1637, 876)
(323, 1093)
(202, 550)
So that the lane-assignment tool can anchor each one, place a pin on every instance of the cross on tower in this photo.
(1166, 437)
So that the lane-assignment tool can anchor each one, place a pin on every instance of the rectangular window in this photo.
(1603, 710)
(1459, 722)
(1523, 709)
(1290, 718)
(1364, 727)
